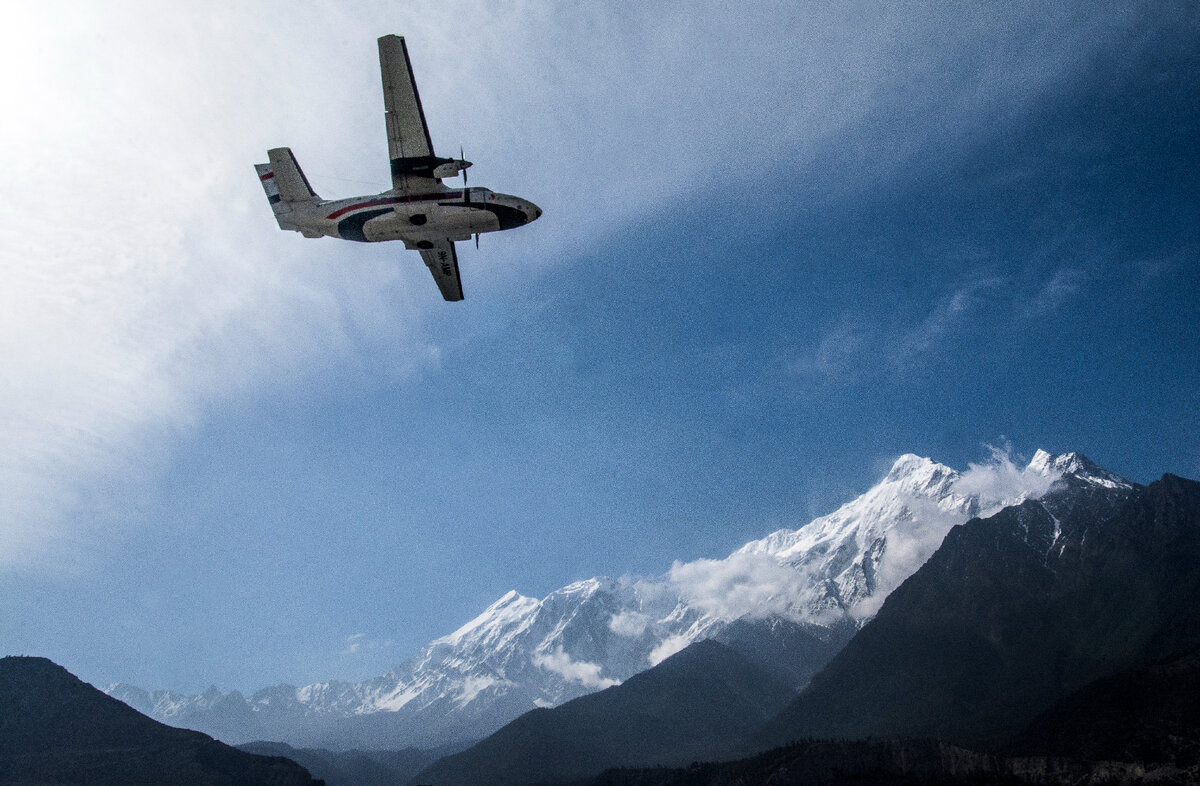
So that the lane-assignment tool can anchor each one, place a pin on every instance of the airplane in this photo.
(419, 209)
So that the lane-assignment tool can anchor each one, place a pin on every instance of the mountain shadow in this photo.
(1014, 612)
(1141, 726)
(830, 763)
(896, 762)
(687, 707)
(1149, 715)
(790, 651)
(352, 767)
(55, 728)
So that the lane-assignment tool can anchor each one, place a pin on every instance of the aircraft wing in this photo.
(443, 264)
(410, 149)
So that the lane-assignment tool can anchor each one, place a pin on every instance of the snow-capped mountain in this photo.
(522, 652)
(849, 561)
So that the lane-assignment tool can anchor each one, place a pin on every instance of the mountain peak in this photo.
(919, 474)
(585, 588)
(1047, 463)
(907, 465)
(507, 599)
(1076, 465)
(512, 610)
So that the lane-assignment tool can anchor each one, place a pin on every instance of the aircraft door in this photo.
(476, 198)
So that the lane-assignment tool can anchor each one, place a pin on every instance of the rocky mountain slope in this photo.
(1139, 726)
(683, 709)
(1149, 714)
(1015, 611)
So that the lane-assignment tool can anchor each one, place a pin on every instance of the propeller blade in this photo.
(463, 159)
(476, 237)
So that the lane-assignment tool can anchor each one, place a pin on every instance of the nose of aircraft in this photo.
(532, 211)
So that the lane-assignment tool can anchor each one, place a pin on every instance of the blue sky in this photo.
(780, 249)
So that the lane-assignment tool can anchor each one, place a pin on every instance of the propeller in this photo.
(476, 237)
(462, 159)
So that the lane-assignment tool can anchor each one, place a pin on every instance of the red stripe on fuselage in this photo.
(266, 175)
(395, 200)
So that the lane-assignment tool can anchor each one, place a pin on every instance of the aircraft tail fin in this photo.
(284, 181)
(293, 185)
(285, 184)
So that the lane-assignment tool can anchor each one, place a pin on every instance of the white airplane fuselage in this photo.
(419, 210)
(450, 213)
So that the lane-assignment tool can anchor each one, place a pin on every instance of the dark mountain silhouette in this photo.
(1149, 715)
(686, 708)
(896, 762)
(829, 763)
(352, 767)
(1141, 726)
(1012, 613)
(54, 728)
(790, 651)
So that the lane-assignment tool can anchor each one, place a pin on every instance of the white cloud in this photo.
(838, 354)
(856, 347)
(1000, 481)
(668, 647)
(628, 623)
(359, 643)
(744, 583)
(353, 642)
(1054, 294)
(586, 674)
(471, 687)
(946, 316)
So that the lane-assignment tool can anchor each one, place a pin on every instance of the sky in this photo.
(781, 247)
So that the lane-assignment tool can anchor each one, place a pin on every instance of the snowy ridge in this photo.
(522, 652)
(846, 554)
(854, 557)
(1077, 465)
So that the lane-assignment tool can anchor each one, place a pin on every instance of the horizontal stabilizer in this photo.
(267, 178)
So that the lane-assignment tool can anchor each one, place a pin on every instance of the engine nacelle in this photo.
(451, 168)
